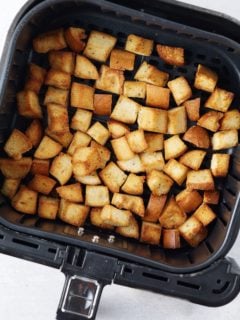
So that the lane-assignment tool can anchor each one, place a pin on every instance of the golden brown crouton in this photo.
(154, 208)
(42, 184)
(40, 167)
(81, 120)
(220, 164)
(133, 165)
(71, 192)
(97, 196)
(57, 118)
(205, 79)
(74, 38)
(25, 200)
(171, 55)
(125, 110)
(171, 239)
(193, 159)
(15, 169)
(102, 104)
(193, 231)
(103, 152)
(134, 89)
(152, 161)
(136, 141)
(180, 89)
(64, 138)
(58, 79)
(150, 74)
(9, 187)
(150, 233)
(99, 133)
(56, 96)
(189, 200)
(154, 141)
(157, 96)
(200, 180)
(28, 104)
(159, 183)
(211, 197)
(96, 219)
(193, 107)
(176, 170)
(113, 177)
(122, 60)
(91, 179)
(110, 80)
(220, 100)
(80, 139)
(225, 139)
(48, 207)
(34, 132)
(174, 147)
(35, 78)
(62, 60)
(134, 184)
(85, 160)
(152, 119)
(197, 136)
(230, 120)
(53, 40)
(82, 96)
(61, 168)
(17, 144)
(204, 214)
(131, 231)
(115, 217)
(85, 69)
(117, 129)
(48, 148)
(210, 120)
(139, 45)
(73, 213)
(122, 149)
(133, 203)
(177, 120)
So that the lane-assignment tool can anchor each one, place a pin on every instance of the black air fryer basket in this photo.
(91, 258)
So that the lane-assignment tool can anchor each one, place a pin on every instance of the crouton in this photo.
(219, 100)
(154, 141)
(9, 187)
(204, 214)
(97, 196)
(205, 79)
(57, 118)
(64, 138)
(189, 200)
(225, 139)
(159, 183)
(152, 161)
(122, 149)
(210, 120)
(92, 179)
(139, 45)
(102, 104)
(17, 144)
(180, 89)
(154, 208)
(133, 165)
(15, 169)
(81, 120)
(150, 74)
(85, 69)
(117, 129)
(133, 203)
(82, 96)
(62, 61)
(96, 220)
(53, 40)
(58, 79)
(56, 96)
(85, 160)
(171, 55)
(71, 192)
(230, 120)
(48, 148)
(99, 46)
(48, 207)
(193, 107)
(136, 141)
(177, 120)
(133, 184)
(150, 233)
(61, 168)
(80, 139)
(157, 96)
(122, 60)
(73, 213)
(176, 170)
(99, 133)
(125, 110)
(197, 136)
(113, 177)
(42, 184)
(74, 38)
(40, 167)
(115, 217)
(25, 200)
(110, 80)
(34, 132)
(134, 89)
(103, 152)
(174, 147)
(35, 78)
(193, 231)
(171, 239)
(220, 164)
(152, 119)
(131, 231)
(211, 197)
(28, 104)
(200, 180)
(193, 159)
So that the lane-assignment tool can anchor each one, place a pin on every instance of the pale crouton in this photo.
(25, 200)
(193, 159)
(62, 60)
(174, 147)
(9, 187)
(230, 120)
(48, 207)
(80, 139)
(82, 96)
(136, 141)
(73, 213)
(193, 231)
(57, 118)
(154, 141)
(122, 149)
(154, 208)
(56, 96)
(64, 138)
(211, 197)
(48, 148)
(85, 69)
(134, 184)
(200, 180)
(115, 217)
(176, 170)
(117, 129)
(210, 120)
(133, 165)
(205, 79)
(171, 239)
(220, 164)
(85, 161)
(204, 214)
(133, 203)
(177, 120)
(152, 119)
(81, 120)
(171, 55)
(96, 219)
(15, 169)
(131, 231)
(125, 110)
(159, 183)
(113, 177)
(134, 89)
(91, 179)
(197, 136)
(110, 80)
(193, 108)
(219, 100)
(122, 60)
(102, 104)
(150, 233)
(99, 46)
(28, 104)
(58, 79)
(40, 167)
(225, 139)
(42, 184)
(34, 132)
(180, 89)
(103, 152)
(157, 96)
(35, 78)
(189, 200)
(99, 133)
(97, 196)
(74, 38)
(139, 45)
(150, 74)
(52, 40)
(71, 192)
(61, 168)
(17, 144)
(152, 161)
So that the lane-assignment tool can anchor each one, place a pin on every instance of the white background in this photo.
(31, 291)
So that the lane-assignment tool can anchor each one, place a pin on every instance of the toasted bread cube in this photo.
(34, 132)
(58, 79)
(189, 200)
(154, 141)
(110, 80)
(92, 179)
(53, 40)
(136, 141)
(125, 110)
(28, 104)
(73, 213)
(9, 187)
(40, 167)
(134, 89)
(99, 46)
(97, 196)
(48, 207)
(210, 120)
(150, 74)
(154, 208)
(211, 197)
(96, 219)
(193, 107)
(32, 85)
(47, 149)
(133, 184)
(115, 217)
(152, 161)
(85, 161)
(193, 231)
(176, 170)
(15, 169)
(57, 118)
(17, 144)
(177, 120)
(193, 159)
(56, 96)
(171, 239)
(230, 120)
(85, 69)
(61, 168)
(131, 231)
(159, 183)
(80, 139)
(64, 138)
(35, 78)
(25, 200)
(197, 136)
(81, 120)
(139, 45)
(133, 165)
(113, 177)
(102, 104)
(157, 96)
(74, 38)
(62, 61)
(99, 133)
(204, 214)
(205, 79)
(42, 184)
(174, 147)
(133, 203)
(71, 192)
(103, 152)
(122, 60)
(122, 149)
(82, 96)
(171, 55)
(117, 129)
(152, 119)
(180, 89)
(225, 139)
(220, 164)
(150, 233)
(219, 100)
(200, 180)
